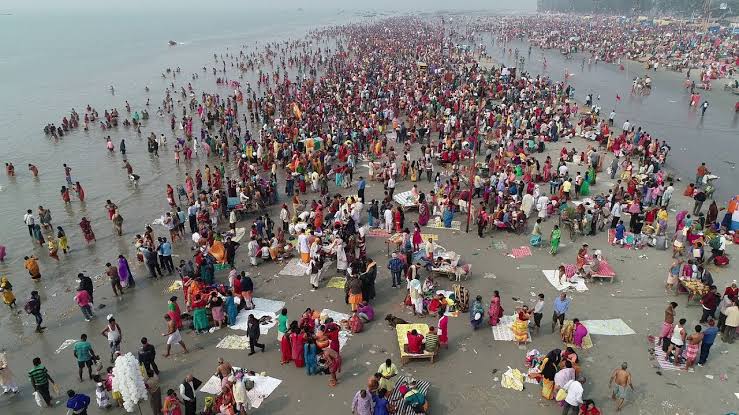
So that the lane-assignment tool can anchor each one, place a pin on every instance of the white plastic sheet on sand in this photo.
(612, 327)
(551, 276)
(263, 387)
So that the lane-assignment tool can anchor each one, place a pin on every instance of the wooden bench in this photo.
(405, 357)
(402, 330)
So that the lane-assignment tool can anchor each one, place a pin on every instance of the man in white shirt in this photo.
(285, 218)
(303, 247)
(562, 170)
(29, 220)
(611, 117)
(390, 186)
(388, 217)
(478, 185)
(626, 126)
(616, 213)
(574, 396)
(667, 195)
(415, 289)
(187, 393)
(538, 312)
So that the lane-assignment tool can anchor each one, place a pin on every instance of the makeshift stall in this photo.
(450, 266)
(406, 200)
(694, 288)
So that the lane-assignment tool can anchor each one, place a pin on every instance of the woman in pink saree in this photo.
(578, 333)
(496, 311)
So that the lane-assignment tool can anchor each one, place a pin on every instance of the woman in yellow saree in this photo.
(520, 326)
(548, 369)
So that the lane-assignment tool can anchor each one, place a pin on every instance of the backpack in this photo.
(721, 260)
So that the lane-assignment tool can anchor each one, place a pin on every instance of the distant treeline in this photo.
(684, 7)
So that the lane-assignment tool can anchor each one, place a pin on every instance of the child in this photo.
(53, 250)
(62, 237)
(620, 234)
(673, 275)
(103, 397)
(687, 271)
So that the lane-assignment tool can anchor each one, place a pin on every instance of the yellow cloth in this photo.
(402, 332)
(512, 379)
(520, 330)
(547, 387)
(336, 282)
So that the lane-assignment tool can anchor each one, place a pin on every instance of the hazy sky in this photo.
(142, 5)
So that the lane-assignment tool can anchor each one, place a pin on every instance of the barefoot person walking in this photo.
(622, 379)
(173, 334)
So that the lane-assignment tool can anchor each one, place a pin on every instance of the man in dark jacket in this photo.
(253, 331)
(152, 262)
(230, 248)
(147, 354)
(187, 391)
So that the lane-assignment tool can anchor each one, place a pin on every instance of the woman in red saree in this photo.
(396, 220)
(443, 328)
(297, 340)
(80, 191)
(495, 311)
(582, 254)
(174, 311)
(285, 350)
(86, 227)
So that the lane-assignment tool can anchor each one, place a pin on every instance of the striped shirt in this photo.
(38, 375)
(432, 342)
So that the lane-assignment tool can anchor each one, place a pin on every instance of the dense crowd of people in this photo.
(422, 112)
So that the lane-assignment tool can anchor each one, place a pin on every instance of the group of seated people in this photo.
(418, 344)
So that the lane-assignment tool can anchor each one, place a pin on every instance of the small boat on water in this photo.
(172, 43)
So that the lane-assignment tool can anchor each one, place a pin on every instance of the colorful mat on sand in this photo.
(521, 252)
(421, 385)
(336, 282)
(660, 356)
(604, 270)
(612, 327)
